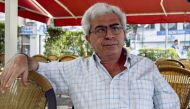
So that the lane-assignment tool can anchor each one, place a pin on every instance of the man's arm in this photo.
(164, 95)
(19, 65)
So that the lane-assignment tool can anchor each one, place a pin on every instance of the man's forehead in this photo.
(105, 20)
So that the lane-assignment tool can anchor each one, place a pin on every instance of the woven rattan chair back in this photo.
(33, 96)
(40, 58)
(186, 63)
(52, 57)
(67, 58)
(179, 79)
(168, 63)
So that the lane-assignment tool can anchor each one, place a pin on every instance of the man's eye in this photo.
(116, 28)
(100, 30)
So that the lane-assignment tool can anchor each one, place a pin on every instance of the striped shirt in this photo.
(90, 86)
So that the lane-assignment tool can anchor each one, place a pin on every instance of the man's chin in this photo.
(111, 51)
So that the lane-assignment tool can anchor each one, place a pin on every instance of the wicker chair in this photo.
(179, 79)
(35, 95)
(169, 62)
(40, 58)
(67, 58)
(186, 63)
(52, 57)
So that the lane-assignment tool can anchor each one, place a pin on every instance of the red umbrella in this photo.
(69, 12)
(28, 9)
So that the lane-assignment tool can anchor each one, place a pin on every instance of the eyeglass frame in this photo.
(111, 27)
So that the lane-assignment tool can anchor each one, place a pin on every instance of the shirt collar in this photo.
(124, 51)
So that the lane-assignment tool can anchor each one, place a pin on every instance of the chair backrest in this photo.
(169, 62)
(40, 58)
(179, 79)
(35, 95)
(52, 57)
(177, 61)
(186, 63)
(66, 58)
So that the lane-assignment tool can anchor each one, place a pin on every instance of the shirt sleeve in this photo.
(164, 95)
(55, 73)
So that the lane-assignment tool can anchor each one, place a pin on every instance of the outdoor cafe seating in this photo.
(179, 79)
(36, 95)
(52, 57)
(67, 58)
(186, 63)
(40, 58)
(176, 72)
(169, 62)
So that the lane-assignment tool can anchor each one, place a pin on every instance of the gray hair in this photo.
(99, 9)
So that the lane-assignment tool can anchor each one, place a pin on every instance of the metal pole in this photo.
(166, 36)
(11, 10)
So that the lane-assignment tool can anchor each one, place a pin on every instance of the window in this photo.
(171, 26)
(150, 26)
(186, 25)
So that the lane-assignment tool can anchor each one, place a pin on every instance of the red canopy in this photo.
(69, 12)
(27, 9)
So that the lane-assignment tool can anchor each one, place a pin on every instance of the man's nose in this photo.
(109, 33)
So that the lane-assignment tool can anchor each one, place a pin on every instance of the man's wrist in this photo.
(31, 65)
(24, 55)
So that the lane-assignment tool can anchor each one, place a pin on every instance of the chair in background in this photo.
(40, 58)
(176, 61)
(179, 79)
(52, 57)
(186, 63)
(169, 62)
(67, 58)
(35, 95)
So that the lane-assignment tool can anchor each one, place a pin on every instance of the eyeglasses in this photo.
(101, 31)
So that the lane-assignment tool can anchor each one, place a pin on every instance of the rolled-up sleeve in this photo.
(55, 73)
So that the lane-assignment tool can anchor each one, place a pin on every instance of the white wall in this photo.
(34, 45)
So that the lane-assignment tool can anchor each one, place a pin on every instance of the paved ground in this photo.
(62, 107)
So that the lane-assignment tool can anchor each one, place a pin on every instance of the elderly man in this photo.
(109, 79)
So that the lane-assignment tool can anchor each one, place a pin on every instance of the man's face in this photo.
(176, 42)
(106, 35)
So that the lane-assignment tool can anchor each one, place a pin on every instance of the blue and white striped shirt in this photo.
(90, 86)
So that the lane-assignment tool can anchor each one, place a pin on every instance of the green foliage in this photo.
(127, 42)
(188, 53)
(156, 53)
(54, 33)
(61, 42)
(2, 37)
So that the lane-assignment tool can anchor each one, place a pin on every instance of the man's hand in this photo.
(17, 66)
